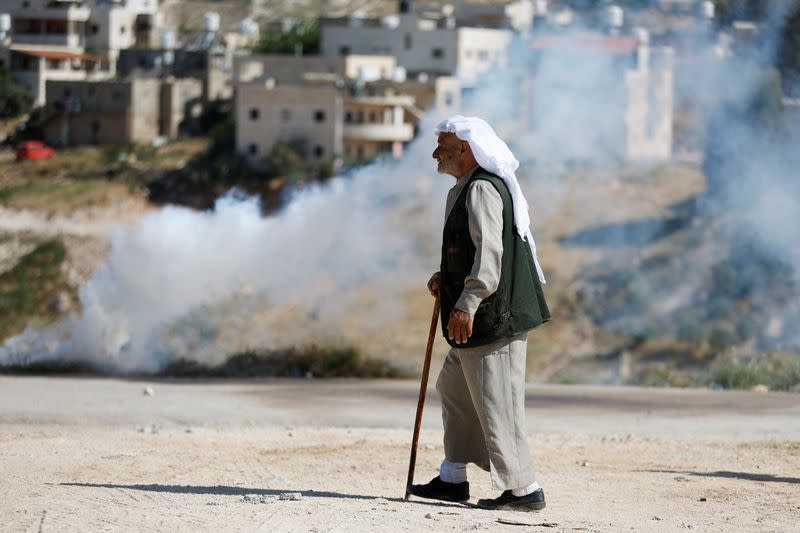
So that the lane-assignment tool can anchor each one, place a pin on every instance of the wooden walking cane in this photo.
(423, 387)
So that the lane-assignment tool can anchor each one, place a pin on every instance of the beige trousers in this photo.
(483, 409)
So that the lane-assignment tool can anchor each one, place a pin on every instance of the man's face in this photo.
(448, 153)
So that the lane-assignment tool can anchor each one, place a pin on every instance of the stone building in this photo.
(421, 44)
(137, 110)
(105, 112)
(341, 108)
(72, 39)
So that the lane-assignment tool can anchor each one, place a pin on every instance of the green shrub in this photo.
(295, 362)
(777, 372)
(304, 35)
(15, 99)
(27, 291)
(286, 159)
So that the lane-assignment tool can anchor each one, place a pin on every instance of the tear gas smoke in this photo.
(195, 284)
(202, 285)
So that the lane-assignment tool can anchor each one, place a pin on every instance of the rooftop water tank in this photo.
(643, 35)
(399, 74)
(708, 10)
(357, 19)
(168, 40)
(390, 22)
(615, 16)
(249, 27)
(211, 22)
(5, 23)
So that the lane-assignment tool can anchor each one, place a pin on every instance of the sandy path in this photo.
(97, 455)
(97, 222)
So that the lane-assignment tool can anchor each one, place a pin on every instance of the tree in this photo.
(303, 36)
(14, 98)
(286, 160)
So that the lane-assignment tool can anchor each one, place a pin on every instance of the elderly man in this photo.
(490, 284)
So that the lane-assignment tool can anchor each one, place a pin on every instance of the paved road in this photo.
(567, 409)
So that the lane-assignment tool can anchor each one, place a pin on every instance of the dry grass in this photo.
(305, 362)
(87, 177)
(793, 447)
(55, 196)
(28, 290)
(311, 361)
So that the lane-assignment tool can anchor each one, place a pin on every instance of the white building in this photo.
(115, 25)
(434, 46)
(72, 39)
(595, 95)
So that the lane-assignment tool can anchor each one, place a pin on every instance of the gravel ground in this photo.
(116, 455)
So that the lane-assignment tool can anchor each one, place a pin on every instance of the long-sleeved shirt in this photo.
(485, 219)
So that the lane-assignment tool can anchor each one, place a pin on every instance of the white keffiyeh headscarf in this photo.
(493, 154)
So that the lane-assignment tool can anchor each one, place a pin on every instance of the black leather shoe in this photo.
(437, 489)
(507, 501)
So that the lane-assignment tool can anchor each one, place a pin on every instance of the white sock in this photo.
(524, 491)
(451, 472)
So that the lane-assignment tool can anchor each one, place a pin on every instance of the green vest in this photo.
(518, 305)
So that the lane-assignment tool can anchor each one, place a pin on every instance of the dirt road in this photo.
(99, 455)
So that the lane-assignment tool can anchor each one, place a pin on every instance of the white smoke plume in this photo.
(189, 283)
(202, 285)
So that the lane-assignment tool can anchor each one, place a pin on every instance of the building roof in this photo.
(58, 54)
(588, 42)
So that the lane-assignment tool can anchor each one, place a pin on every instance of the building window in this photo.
(360, 152)
(254, 113)
(286, 115)
(483, 55)
(344, 51)
(319, 115)
(360, 117)
(448, 98)
(437, 53)
(319, 151)
(95, 29)
(67, 93)
(115, 96)
(407, 41)
(122, 30)
(91, 90)
(252, 149)
(372, 116)
(55, 27)
(54, 63)
(26, 3)
(348, 117)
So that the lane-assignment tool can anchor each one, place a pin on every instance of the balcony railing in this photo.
(69, 40)
(60, 10)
